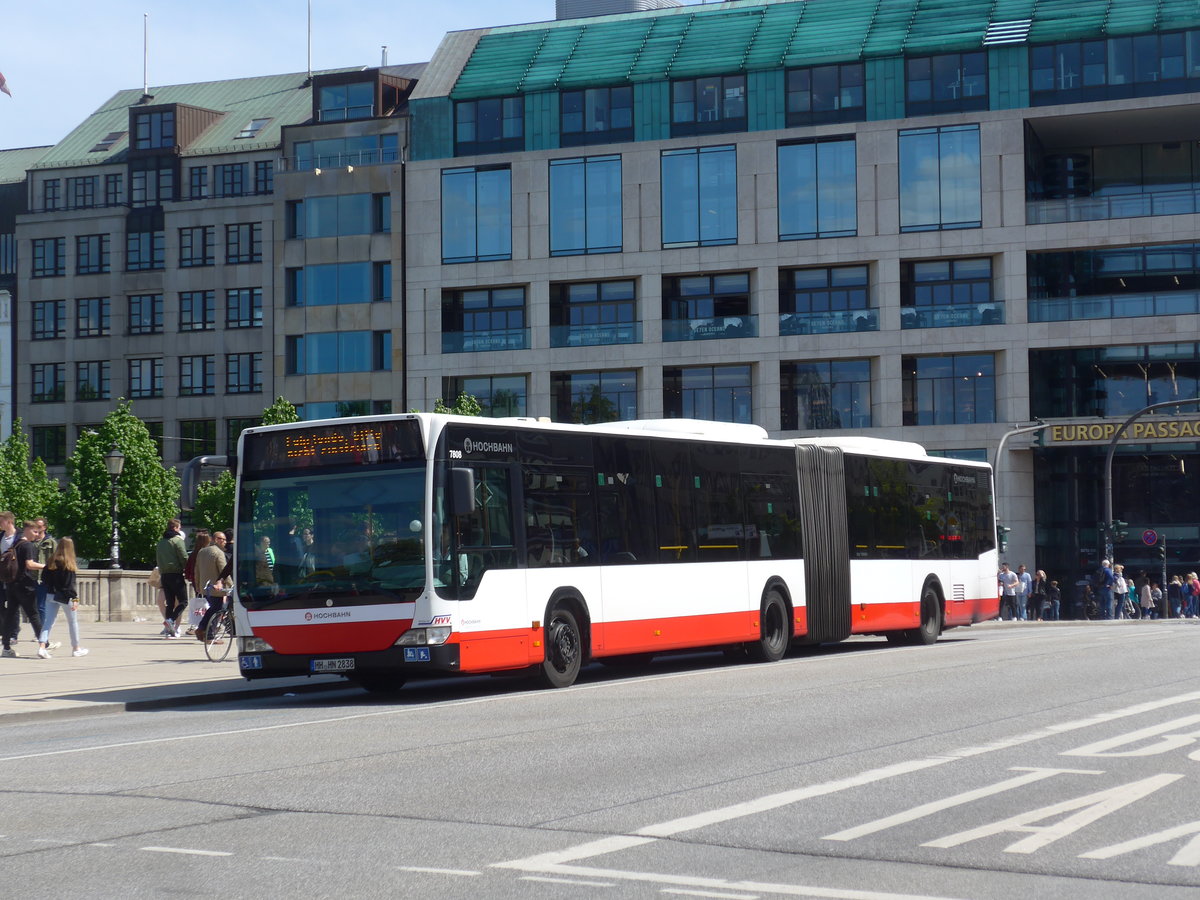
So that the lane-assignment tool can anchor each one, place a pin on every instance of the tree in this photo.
(280, 413)
(147, 497)
(465, 405)
(214, 503)
(25, 488)
(593, 407)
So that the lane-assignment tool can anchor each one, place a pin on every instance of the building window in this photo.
(154, 130)
(1114, 382)
(92, 380)
(91, 254)
(49, 382)
(699, 197)
(1115, 68)
(484, 319)
(197, 437)
(243, 308)
(197, 182)
(8, 254)
(476, 214)
(332, 153)
(196, 376)
(107, 142)
(489, 126)
(49, 257)
(243, 373)
(49, 444)
(243, 243)
(197, 311)
(92, 317)
(234, 429)
(264, 176)
(145, 250)
(587, 397)
(345, 351)
(585, 205)
(818, 189)
(51, 194)
(944, 292)
(49, 320)
(708, 105)
(498, 395)
(145, 314)
(826, 300)
(332, 284)
(949, 82)
(151, 181)
(230, 179)
(715, 393)
(345, 214)
(939, 178)
(702, 307)
(145, 378)
(114, 189)
(949, 390)
(196, 246)
(821, 94)
(590, 313)
(81, 191)
(825, 395)
(252, 129)
(341, 102)
(383, 282)
(596, 116)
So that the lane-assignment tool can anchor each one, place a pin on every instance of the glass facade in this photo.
(594, 312)
(959, 389)
(331, 284)
(243, 243)
(145, 314)
(949, 82)
(820, 94)
(587, 397)
(48, 382)
(596, 116)
(495, 125)
(339, 152)
(92, 317)
(1115, 68)
(484, 319)
(938, 293)
(826, 300)
(332, 351)
(196, 376)
(197, 311)
(49, 320)
(145, 250)
(91, 254)
(716, 393)
(49, 257)
(699, 197)
(92, 380)
(818, 189)
(703, 307)
(708, 105)
(342, 102)
(829, 394)
(1112, 382)
(940, 184)
(243, 308)
(476, 214)
(585, 205)
(498, 395)
(345, 214)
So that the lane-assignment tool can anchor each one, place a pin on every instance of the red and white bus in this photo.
(391, 547)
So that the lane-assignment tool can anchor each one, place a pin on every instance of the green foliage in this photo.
(593, 407)
(147, 497)
(25, 488)
(214, 503)
(280, 413)
(465, 405)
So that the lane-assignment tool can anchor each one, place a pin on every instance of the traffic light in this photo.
(1162, 551)
(1002, 537)
(1118, 530)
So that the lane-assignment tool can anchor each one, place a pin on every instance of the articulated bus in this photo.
(387, 548)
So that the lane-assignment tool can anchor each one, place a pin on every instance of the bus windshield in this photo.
(336, 532)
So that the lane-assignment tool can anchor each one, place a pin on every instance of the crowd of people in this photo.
(1106, 593)
(37, 579)
(201, 579)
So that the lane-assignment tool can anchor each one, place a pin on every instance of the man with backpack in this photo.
(22, 591)
(1102, 585)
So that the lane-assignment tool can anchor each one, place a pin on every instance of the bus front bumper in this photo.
(406, 662)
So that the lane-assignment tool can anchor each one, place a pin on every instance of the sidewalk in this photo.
(129, 666)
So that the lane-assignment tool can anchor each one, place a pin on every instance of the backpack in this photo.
(1098, 579)
(10, 566)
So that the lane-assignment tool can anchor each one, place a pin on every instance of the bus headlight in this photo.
(254, 645)
(424, 637)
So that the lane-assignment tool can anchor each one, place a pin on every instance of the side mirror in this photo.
(192, 472)
(462, 491)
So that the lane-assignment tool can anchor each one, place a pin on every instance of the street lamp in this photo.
(114, 462)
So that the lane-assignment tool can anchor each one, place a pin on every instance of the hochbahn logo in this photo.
(471, 447)
(1149, 429)
(322, 616)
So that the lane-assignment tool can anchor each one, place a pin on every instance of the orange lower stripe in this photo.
(326, 638)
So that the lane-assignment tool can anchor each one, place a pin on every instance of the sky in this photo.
(64, 59)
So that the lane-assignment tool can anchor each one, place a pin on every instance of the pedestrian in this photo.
(1102, 587)
(171, 556)
(1120, 591)
(1193, 595)
(22, 593)
(45, 545)
(8, 537)
(210, 564)
(1175, 597)
(61, 593)
(1026, 586)
(1145, 601)
(1037, 596)
(1010, 587)
(1156, 599)
(200, 539)
(1053, 602)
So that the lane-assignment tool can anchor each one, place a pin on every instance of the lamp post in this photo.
(114, 462)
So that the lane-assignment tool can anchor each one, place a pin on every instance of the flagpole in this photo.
(310, 40)
(145, 54)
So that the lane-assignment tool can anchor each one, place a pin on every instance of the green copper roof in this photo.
(765, 34)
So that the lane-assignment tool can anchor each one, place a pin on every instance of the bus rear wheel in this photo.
(564, 649)
(774, 633)
(931, 618)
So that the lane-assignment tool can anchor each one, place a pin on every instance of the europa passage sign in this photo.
(1146, 430)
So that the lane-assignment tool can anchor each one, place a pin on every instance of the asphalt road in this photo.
(1007, 760)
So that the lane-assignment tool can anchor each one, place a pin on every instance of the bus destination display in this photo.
(365, 443)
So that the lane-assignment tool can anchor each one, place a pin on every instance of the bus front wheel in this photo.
(379, 683)
(564, 649)
(931, 618)
(774, 633)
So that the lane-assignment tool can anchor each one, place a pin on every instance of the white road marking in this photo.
(1107, 747)
(936, 806)
(186, 851)
(576, 881)
(429, 870)
(709, 894)
(1188, 855)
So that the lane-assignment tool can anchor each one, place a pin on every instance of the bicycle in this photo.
(220, 635)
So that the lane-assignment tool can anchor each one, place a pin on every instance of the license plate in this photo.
(416, 654)
(250, 662)
(333, 665)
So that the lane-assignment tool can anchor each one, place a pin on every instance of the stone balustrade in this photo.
(116, 595)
